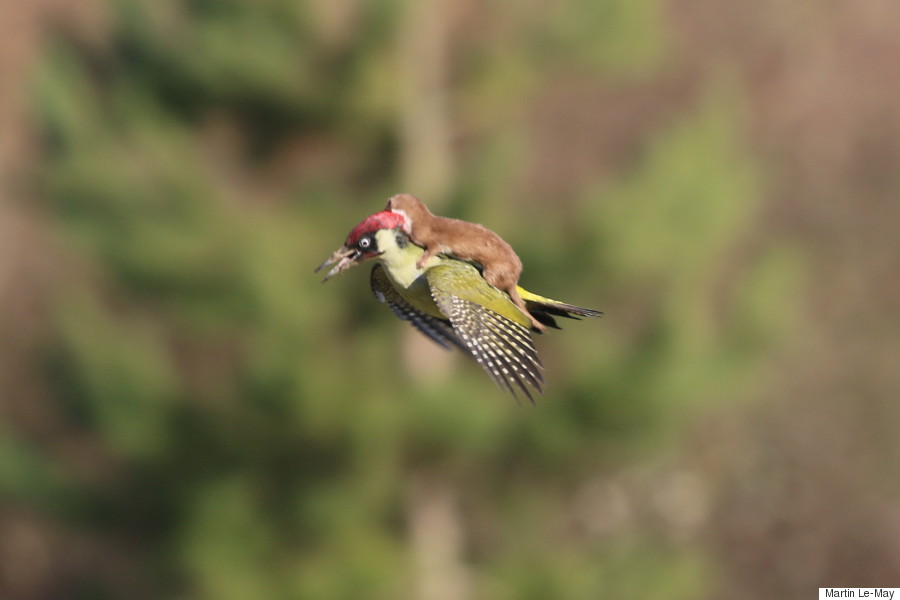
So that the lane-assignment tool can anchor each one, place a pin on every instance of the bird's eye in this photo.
(365, 243)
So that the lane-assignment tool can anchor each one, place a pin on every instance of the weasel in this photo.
(501, 266)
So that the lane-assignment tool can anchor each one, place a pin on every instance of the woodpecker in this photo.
(449, 301)
(501, 266)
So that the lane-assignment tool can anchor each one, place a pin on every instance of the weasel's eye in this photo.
(365, 243)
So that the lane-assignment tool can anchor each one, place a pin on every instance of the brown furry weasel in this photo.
(468, 241)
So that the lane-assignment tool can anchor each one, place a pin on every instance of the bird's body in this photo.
(501, 266)
(452, 303)
(408, 275)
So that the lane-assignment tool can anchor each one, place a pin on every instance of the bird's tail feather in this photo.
(544, 309)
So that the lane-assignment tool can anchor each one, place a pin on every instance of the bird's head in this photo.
(362, 242)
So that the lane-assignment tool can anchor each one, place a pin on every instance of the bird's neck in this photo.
(399, 259)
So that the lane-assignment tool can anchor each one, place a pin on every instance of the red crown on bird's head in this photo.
(380, 220)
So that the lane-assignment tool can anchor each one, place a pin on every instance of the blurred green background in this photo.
(186, 413)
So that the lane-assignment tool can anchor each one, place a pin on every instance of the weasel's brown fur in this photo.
(501, 266)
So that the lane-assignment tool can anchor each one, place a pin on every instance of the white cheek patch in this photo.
(407, 222)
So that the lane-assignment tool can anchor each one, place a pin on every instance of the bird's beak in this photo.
(344, 257)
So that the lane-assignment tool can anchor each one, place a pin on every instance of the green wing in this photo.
(502, 347)
(437, 330)
(467, 283)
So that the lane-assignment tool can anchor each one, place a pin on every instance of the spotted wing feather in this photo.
(502, 347)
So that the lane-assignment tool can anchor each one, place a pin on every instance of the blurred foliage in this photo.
(266, 426)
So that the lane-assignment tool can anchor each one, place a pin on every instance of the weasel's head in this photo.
(409, 207)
